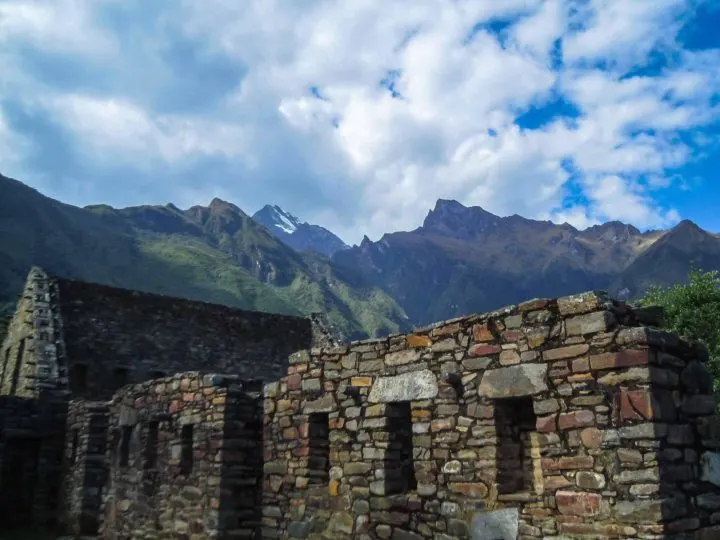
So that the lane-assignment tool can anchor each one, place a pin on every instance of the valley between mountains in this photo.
(459, 261)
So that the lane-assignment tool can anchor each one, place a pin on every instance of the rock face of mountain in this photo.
(669, 259)
(297, 234)
(461, 260)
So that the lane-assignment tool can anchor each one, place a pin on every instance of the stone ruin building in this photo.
(574, 418)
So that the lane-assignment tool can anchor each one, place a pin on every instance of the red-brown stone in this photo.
(512, 336)
(546, 424)
(567, 463)
(576, 419)
(636, 404)
(415, 341)
(484, 350)
(294, 381)
(482, 332)
(620, 359)
(578, 503)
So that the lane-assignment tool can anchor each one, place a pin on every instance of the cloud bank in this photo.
(356, 116)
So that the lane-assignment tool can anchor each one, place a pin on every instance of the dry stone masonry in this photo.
(185, 459)
(574, 418)
(552, 419)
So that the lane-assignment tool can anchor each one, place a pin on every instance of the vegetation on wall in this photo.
(692, 309)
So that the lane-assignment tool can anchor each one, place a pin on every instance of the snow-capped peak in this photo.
(281, 219)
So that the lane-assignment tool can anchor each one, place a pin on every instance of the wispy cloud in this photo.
(359, 116)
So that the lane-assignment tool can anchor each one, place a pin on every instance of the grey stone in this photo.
(514, 381)
(498, 525)
(321, 405)
(410, 386)
(710, 467)
(600, 321)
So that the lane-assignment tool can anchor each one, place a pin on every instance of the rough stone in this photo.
(512, 381)
(410, 386)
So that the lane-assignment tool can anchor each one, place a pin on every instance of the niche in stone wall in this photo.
(74, 446)
(186, 448)
(124, 450)
(516, 439)
(77, 376)
(399, 465)
(319, 445)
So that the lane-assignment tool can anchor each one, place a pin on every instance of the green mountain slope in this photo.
(215, 253)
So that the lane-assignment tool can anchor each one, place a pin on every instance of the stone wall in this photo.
(126, 337)
(31, 432)
(32, 355)
(84, 467)
(185, 457)
(551, 419)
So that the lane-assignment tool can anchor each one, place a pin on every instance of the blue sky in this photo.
(358, 118)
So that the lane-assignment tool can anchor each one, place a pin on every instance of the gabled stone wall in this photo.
(551, 419)
(185, 458)
(122, 337)
(32, 354)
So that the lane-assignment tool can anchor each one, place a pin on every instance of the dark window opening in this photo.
(120, 377)
(18, 365)
(515, 423)
(125, 436)
(157, 374)
(151, 444)
(186, 448)
(74, 447)
(319, 445)
(399, 464)
(78, 376)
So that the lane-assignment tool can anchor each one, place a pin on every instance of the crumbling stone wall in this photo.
(558, 418)
(185, 456)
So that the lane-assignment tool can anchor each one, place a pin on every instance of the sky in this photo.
(359, 117)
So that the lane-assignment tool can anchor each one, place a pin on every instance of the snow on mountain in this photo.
(299, 235)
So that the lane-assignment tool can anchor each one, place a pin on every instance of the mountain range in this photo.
(460, 260)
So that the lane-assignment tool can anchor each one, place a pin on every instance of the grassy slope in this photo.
(225, 258)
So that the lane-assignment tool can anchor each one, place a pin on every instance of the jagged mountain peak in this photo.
(451, 218)
(219, 205)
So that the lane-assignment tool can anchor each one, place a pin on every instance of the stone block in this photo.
(620, 359)
(562, 353)
(710, 467)
(578, 503)
(577, 304)
(416, 385)
(418, 341)
(592, 323)
(514, 381)
(400, 358)
(484, 350)
(499, 525)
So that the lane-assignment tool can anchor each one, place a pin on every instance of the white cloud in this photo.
(116, 129)
(56, 25)
(383, 161)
